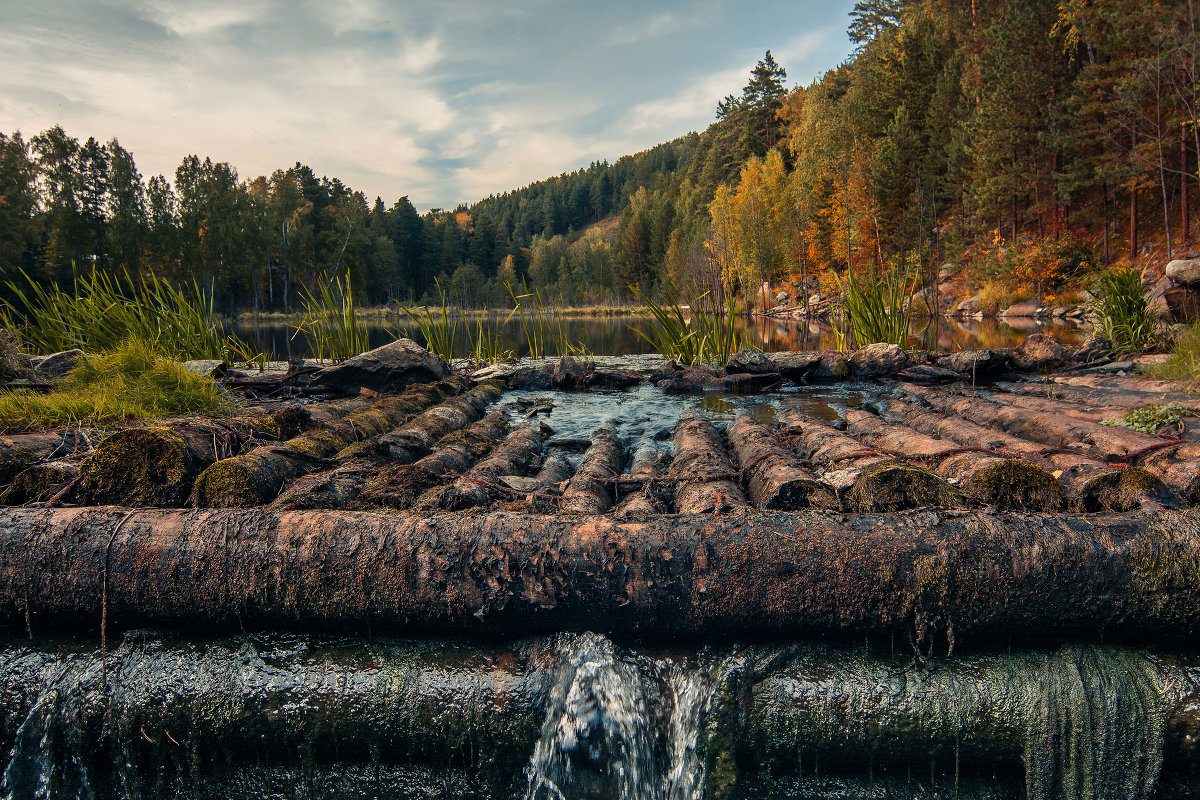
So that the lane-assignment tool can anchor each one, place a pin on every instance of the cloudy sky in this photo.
(445, 101)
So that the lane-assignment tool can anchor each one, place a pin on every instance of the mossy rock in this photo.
(140, 467)
(39, 483)
(895, 486)
(15, 459)
(1016, 485)
(1124, 490)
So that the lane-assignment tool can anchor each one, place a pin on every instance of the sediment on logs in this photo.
(1009, 484)
(516, 455)
(590, 491)
(773, 474)
(256, 477)
(866, 479)
(964, 576)
(705, 476)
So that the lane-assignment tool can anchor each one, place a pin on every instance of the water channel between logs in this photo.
(806, 576)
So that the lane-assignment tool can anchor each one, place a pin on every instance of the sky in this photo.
(445, 102)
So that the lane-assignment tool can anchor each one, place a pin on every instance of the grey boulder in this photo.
(385, 369)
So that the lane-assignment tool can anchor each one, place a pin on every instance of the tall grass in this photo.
(1183, 364)
(707, 333)
(486, 345)
(439, 331)
(329, 323)
(879, 306)
(545, 331)
(103, 311)
(128, 382)
(1123, 314)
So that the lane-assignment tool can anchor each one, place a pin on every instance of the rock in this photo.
(613, 379)
(1184, 303)
(666, 370)
(794, 366)
(1026, 308)
(878, 360)
(691, 380)
(569, 375)
(385, 369)
(975, 363)
(830, 366)
(1093, 350)
(1156, 297)
(781, 298)
(520, 483)
(755, 362)
(816, 298)
(501, 372)
(1185, 271)
(928, 374)
(745, 382)
(1059, 312)
(56, 365)
(207, 367)
(529, 378)
(1038, 352)
(968, 305)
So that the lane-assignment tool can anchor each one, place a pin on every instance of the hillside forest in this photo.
(1015, 142)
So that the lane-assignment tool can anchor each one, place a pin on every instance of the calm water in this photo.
(618, 336)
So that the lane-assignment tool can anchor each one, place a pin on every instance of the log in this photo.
(705, 474)
(1179, 468)
(415, 439)
(514, 456)
(1090, 485)
(972, 576)
(867, 480)
(1054, 429)
(647, 464)
(588, 492)
(39, 483)
(1009, 484)
(158, 465)
(554, 474)
(773, 475)
(256, 477)
(22, 450)
(398, 486)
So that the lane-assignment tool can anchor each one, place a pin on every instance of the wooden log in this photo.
(1053, 429)
(705, 474)
(20, 451)
(866, 479)
(554, 474)
(772, 473)
(1009, 484)
(1089, 484)
(514, 456)
(415, 439)
(256, 477)
(399, 485)
(1046, 577)
(589, 492)
(39, 483)
(1179, 468)
(642, 497)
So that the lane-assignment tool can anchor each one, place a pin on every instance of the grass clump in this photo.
(1123, 313)
(545, 328)
(102, 311)
(706, 333)
(440, 331)
(330, 323)
(1184, 361)
(131, 382)
(880, 307)
(1149, 419)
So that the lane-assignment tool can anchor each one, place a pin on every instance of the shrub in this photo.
(1123, 313)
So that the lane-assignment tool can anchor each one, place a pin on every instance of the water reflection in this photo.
(619, 336)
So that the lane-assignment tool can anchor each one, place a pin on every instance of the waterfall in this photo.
(619, 726)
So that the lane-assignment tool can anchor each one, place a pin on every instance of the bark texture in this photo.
(964, 576)
(773, 475)
(590, 490)
(516, 455)
(703, 469)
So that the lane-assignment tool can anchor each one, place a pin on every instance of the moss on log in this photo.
(979, 575)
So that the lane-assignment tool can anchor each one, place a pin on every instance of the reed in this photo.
(329, 323)
(705, 333)
(544, 330)
(440, 330)
(1183, 364)
(1122, 310)
(879, 306)
(487, 347)
(103, 311)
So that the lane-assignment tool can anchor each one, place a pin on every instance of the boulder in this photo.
(879, 360)
(794, 366)
(781, 298)
(1025, 308)
(569, 375)
(207, 367)
(755, 362)
(56, 365)
(1185, 271)
(968, 305)
(927, 374)
(691, 380)
(385, 369)
(741, 383)
(1156, 297)
(1040, 351)
(830, 366)
(975, 363)
(1184, 303)
(613, 379)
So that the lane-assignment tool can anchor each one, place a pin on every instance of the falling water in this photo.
(602, 737)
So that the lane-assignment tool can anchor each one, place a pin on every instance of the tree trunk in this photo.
(703, 470)
(866, 479)
(514, 456)
(773, 475)
(648, 463)
(1009, 484)
(789, 573)
(1185, 221)
(1133, 211)
(416, 438)
(590, 491)
(255, 478)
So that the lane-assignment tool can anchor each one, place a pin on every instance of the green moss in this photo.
(1016, 485)
(139, 467)
(1124, 490)
(38, 483)
(895, 486)
(230, 484)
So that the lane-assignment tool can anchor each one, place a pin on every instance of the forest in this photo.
(1019, 142)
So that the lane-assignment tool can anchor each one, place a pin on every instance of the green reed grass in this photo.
(487, 347)
(879, 306)
(1183, 364)
(130, 382)
(439, 330)
(544, 329)
(706, 333)
(1122, 310)
(329, 323)
(102, 311)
